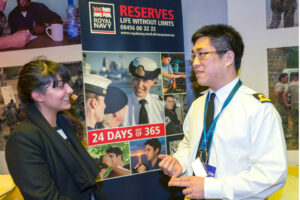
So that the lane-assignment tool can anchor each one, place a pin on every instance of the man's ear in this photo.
(156, 150)
(93, 103)
(37, 96)
(229, 58)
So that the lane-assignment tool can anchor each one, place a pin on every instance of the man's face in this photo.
(166, 60)
(151, 154)
(100, 106)
(115, 159)
(23, 4)
(170, 103)
(285, 79)
(141, 87)
(209, 69)
(2, 5)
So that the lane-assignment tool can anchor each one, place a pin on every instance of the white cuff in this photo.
(212, 188)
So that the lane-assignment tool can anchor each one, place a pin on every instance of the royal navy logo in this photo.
(102, 18)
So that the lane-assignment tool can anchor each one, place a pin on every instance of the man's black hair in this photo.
(223, 38)
(115, 149)
(154, 143)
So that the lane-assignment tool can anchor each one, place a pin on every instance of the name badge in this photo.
(198, 168)
(210, 170)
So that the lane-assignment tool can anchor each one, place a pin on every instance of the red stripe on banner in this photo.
(105, 136)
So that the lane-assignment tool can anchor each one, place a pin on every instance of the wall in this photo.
(249, 18)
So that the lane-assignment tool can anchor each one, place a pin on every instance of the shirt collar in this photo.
(137, 99)
(223, 92)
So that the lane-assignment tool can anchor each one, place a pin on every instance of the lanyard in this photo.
(207, 136)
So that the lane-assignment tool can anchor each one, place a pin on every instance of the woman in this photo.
(43, 154)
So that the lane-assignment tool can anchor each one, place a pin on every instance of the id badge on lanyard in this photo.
(207, 139)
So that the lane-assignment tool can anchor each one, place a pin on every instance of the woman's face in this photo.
(58, 98)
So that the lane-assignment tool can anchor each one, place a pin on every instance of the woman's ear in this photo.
(37, 96)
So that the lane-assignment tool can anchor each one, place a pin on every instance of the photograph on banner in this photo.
(27, 24)
(12, 110)
(172, 143)
(113, 159)
(283, 71)
(175, 112)
(173, 73)
(282, 13)
(144, 154)
(137, 74)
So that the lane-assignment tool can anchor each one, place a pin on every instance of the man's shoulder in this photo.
(14, 12)
(37, 4)
(253, 95)
(156, 97)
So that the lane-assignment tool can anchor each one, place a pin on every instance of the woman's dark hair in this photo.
(37, 75)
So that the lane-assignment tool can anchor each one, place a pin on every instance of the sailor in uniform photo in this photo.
(143, 107)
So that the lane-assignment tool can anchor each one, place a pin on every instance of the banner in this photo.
(134, 91)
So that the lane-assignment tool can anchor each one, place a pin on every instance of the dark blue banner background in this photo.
(118, 42)
(152, 185)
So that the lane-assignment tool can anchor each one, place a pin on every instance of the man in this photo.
(114, 160)
(288, 8)
(173, 125)
(293, 90)
(95, 91)
(143, 107)
(243, 150)
(116, 106)
(16, 40)
(169, 78)
(31, 16)
(152, 150)
(281, 102)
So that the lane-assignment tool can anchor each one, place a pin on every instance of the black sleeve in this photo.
(45, 15)
(26, 162)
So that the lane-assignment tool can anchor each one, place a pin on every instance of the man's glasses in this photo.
(202, 55)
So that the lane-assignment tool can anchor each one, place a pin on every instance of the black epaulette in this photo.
(262, 98)
(161, 97)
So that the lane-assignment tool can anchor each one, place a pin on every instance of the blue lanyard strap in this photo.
(208, 136)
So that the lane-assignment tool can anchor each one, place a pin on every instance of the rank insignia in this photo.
(262, 98)
(140, 71)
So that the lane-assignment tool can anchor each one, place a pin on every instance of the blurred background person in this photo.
(281, 103)
(95, 91)
(17, 40)
(173, 125)
(114, 160)
(116, 106)
(285, 7)
(152, 150)
(31, 16)
(169, 78)
(44, 155)
(293, 91)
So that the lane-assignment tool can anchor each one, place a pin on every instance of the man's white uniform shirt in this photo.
(248, 148)
(154, 107)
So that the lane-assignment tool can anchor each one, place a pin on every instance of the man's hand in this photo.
(20, 38)
(140, 168)
(194, 186)
(170, 165)
(38, 29)
(107, 160)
